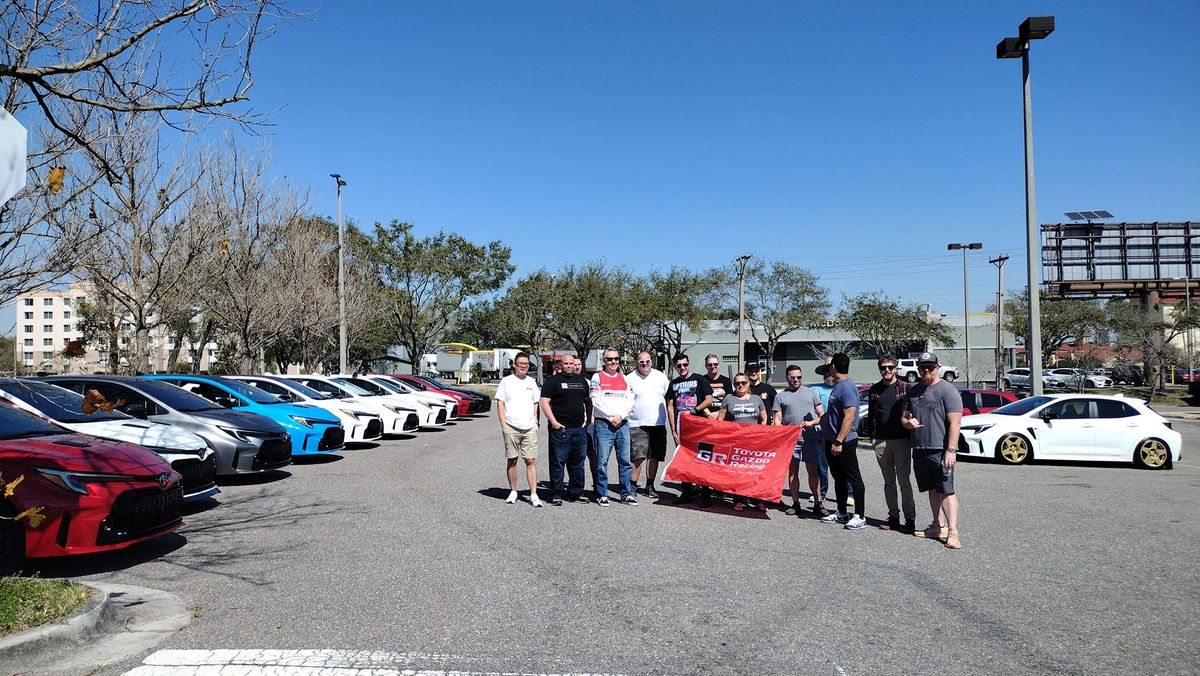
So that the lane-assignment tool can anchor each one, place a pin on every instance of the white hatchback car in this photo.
(1085, 427)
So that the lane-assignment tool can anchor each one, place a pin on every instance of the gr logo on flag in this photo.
(747, 460)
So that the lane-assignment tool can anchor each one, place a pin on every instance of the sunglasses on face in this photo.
(612, 359)
(795, 377)
(888, 367)
(522, 365)
(741, 382)
(681, 366)
(643, 363)
(712, 366)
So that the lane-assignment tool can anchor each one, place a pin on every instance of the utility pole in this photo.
(343, 352)
(966, 313)
(741, 262)
(999, 263)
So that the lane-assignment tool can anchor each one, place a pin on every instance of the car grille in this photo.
(441, 416)
(272, 453)
(334, 437)
(374, 429)
(197, 474)
(412, 422)
(140, 512)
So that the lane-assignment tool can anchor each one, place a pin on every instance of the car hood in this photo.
(240, 419)
(82, 453)
(143, 433)
(995, 419)
(298, 410)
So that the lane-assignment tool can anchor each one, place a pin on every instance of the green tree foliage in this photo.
(780, 298)
(589, 306)
(426, 280)
(674, 303)
(889, 325)
(1064, 321)
(1150, 332)
(8, 354)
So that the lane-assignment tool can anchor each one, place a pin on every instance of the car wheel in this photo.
(911, 377)
(1151, 454)
(951, 376)
(12, 541)
(1013, 449)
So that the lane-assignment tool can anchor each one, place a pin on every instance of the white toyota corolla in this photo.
(1085, 427)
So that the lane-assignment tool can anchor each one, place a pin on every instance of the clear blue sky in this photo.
(853, 138)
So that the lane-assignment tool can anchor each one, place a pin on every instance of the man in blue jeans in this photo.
(567, 406)
(612, 400)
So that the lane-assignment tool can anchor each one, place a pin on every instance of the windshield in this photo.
(173, 397)
(388, 384)
(15, 424)
(346, 389)
(417, 383)
(249, 391)
(362, 389)
(306, 390)
(1022, 407)
(54, 402)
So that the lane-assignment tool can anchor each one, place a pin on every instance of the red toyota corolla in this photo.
(421, 385)
(94, 495)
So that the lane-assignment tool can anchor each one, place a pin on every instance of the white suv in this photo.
(906, 369)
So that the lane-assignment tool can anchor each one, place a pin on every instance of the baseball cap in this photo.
(927, 358)
(753, 366)
(823, 369)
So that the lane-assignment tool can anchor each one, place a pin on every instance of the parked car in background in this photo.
(398, 416)
(434, 399)
(310, 429)
(1089, 427)
(95, 495)
(359, 423)
(439, 386)
(1018, 378)
(438, 407)
(976, 401)
(1128, 374)
(467, 405)
(185, 452)
(245, 443)
(906, 369)
(1072, 378)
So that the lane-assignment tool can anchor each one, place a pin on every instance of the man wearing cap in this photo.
(893, 448)
(758, 388)
(932, 414)
(841, 445)
(823, 388)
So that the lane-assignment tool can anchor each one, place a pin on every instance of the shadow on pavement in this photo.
(361, 445)
(326, 459)
(106, 562)
(270, 476)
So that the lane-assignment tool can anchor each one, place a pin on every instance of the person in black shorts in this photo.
(933, 414)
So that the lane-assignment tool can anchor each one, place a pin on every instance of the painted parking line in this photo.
(311, 663)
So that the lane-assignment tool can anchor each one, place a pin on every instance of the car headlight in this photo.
(77, 482)
(977, 429)
(240, 435)
(357, 415)
(308, 422)
(397, 409)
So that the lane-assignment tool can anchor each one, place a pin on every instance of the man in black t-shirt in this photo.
(567, 404)
(688, 394)
(721, 384)
(893, 450)
(758, 388)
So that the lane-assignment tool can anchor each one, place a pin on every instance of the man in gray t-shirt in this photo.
(933, 414)
(800, 406)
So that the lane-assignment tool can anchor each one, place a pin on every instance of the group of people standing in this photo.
(914, 429)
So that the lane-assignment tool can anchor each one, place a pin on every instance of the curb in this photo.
(118, 622)
(1179, 415)
(76, 629)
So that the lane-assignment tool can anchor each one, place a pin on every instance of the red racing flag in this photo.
(747, 460)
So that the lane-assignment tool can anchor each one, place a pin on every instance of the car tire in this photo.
(950, 376)
(1013, 449)
(911, 377)
(1152, 454)
(12, 541)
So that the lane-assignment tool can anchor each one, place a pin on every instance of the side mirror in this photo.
(1049, 415)
(227, 402)
(287, 396)
(136, 410)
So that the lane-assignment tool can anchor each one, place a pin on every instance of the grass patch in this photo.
(28, 602)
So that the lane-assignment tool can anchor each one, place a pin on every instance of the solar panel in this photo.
(1074, 215)
(1088, 214)
(1103, 214)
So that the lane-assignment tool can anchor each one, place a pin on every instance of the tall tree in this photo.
(428, 279)
(588, 306)
(1064, 321)
(780, 298)
(1150, 332)
(676, 304)
(889, 325)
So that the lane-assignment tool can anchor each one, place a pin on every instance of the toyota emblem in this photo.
(164, 479)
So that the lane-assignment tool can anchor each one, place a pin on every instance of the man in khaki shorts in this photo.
(517, 405)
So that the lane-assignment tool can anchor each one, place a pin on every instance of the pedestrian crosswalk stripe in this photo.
(257, 662)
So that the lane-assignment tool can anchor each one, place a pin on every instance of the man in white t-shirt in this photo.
(647, 421)
(517, 403)
(612, 401)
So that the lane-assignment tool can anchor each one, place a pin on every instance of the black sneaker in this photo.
(581, 498)
(650, 493)
(794, 510)
(706, 499)
(909, 527)
(893, 523)
(602, 501)
(683, 498)
(819, 510)
(557, 501)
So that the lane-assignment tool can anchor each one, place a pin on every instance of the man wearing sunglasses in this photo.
(720, 384)
(612, 401)
(647, 421)
(890, 439)
(800, 406)
(933, 415)
(687, 394)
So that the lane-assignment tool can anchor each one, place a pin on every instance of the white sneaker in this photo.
(855, 522)
(835, 517)
(536, 502)
(512, 498)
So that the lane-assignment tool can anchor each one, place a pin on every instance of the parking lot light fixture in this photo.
(343, 351)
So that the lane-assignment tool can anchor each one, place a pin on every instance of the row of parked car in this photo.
(108, 461)
(1062, 379)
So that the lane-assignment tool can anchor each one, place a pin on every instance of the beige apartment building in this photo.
(48, 319)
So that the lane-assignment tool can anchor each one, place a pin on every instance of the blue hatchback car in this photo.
(313, 430)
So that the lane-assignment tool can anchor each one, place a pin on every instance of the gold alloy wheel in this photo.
(1013, 449)
(1152, 453)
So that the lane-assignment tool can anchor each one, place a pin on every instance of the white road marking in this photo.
(305, 663)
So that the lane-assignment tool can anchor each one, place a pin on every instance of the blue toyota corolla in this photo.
(313, 430)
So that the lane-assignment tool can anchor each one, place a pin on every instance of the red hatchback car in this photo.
(422, 385)
(95, 495)
(985, 401)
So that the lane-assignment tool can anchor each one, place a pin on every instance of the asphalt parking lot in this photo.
(408, 547)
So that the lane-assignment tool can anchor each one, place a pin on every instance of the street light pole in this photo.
(741, 262)
(999, 263)
(1033, 28)
(966, 315)
(343, 351)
